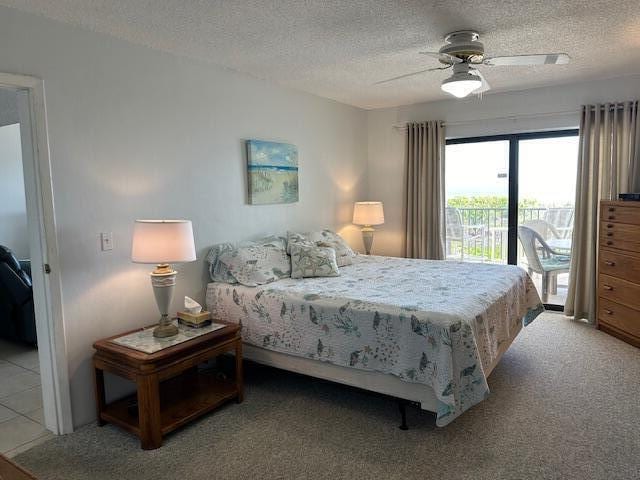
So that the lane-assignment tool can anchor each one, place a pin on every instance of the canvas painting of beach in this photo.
(273, 172)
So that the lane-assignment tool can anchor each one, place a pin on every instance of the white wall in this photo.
(137, 133)
(386, 144)
(13, 209)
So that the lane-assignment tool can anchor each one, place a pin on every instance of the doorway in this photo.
(21, 407)
(510, 199)
(34, 389)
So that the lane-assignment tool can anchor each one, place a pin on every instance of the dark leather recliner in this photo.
(17, 317)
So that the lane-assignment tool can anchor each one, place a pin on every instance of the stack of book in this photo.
(194, 320)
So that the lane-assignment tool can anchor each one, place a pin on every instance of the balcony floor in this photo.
(561, 295)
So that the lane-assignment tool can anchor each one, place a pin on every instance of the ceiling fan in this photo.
(463, 51)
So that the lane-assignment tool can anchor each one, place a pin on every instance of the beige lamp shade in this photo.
(368, 213)
(163, 241)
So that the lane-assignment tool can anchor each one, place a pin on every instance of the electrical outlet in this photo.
(106, 241)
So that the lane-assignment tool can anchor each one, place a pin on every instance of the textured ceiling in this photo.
(338, 49)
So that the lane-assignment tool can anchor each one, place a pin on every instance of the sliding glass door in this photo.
(510, 199)
(477, 193)
(547, 191)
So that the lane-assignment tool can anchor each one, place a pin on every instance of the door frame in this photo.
(514, 139)
(43, 244)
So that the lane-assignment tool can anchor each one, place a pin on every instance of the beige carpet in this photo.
(564, 404)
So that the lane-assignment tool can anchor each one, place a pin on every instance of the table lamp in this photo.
(163, 242)
(368, 214)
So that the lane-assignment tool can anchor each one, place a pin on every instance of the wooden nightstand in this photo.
(170, 389)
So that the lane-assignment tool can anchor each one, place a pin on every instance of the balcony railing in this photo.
(480, 234)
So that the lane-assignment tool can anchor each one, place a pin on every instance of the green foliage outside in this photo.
(491, 201)
(492, 211)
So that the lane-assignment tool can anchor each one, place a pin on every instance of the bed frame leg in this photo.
(403, 414)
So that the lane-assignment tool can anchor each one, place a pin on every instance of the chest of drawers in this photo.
(619, 270)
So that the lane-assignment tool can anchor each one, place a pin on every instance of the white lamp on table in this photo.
(163, 242)
(368, 214)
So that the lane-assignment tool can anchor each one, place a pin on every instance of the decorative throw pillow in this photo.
(313, 261)
(329, 238)
(342, 259)
(324, 238)
(298, 239)
(256, 265)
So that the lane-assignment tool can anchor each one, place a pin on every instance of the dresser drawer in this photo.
(619, 265)
(619, 291)
(620, 235)
(616, 213)
(618, 316)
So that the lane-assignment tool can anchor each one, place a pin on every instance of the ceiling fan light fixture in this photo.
(461, 84)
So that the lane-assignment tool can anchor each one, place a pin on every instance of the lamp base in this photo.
(165, 328)
(367, 238)
(163, 280)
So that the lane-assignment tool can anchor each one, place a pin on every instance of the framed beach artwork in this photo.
(272, 172)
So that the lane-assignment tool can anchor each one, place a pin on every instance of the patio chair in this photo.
(543, 260)
(561, 219)
(544, 228)
(457, 231)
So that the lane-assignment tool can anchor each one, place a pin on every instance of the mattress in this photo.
(437, 323)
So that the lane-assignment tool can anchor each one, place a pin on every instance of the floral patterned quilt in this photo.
(438, 323)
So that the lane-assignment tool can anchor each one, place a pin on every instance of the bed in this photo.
(424, 331)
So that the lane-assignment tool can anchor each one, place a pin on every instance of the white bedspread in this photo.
(432, 322)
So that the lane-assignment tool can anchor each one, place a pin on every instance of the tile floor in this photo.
(21, 419)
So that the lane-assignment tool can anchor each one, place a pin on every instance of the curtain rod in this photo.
(613, 105)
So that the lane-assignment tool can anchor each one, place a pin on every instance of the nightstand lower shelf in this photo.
(182, 399)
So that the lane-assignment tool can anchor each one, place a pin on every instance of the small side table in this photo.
(170, 390)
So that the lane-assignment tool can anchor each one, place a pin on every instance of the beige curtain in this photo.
(424, 191)
(608, 164)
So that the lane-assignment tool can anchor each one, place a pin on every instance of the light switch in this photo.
(106, 241)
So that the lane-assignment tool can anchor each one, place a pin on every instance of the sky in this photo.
(547, 169)
(262, 153)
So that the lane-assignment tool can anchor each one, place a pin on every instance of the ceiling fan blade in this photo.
(443, 57)
(410, 75)
(524, 60)
(485, 85)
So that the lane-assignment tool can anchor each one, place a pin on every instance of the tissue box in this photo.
(194, 319)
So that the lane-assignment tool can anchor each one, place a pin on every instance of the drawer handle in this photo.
(609, 234)
(610, 263)
(609, 225)
(608, 312)
(611, 217)
(612, 209)
(607, 287)
(609, 242)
